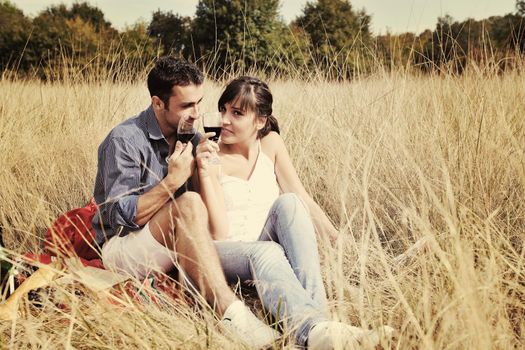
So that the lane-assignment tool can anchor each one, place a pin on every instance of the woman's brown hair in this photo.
(252, 94)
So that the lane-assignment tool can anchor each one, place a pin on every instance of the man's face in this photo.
(183, 103)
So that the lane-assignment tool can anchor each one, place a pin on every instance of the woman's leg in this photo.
(289, 224)
(280, 291)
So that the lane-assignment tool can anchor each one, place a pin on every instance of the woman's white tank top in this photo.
(248, 202)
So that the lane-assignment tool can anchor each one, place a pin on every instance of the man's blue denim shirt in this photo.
(131, 160)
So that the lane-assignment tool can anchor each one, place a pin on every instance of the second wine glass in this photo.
(212, 121)
(187, 129)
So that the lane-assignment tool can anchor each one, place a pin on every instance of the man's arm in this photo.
(180, 167)
(118, 183)
(123, 203)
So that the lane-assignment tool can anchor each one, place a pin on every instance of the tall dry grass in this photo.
(393, 158)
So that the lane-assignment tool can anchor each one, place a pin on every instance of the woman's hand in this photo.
(208, 161)
(329, 232)
(208, 165)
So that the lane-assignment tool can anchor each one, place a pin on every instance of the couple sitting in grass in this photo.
(164, 205)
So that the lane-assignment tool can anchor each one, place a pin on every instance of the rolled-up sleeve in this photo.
(120, 162)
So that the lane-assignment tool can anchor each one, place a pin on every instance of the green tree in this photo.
(16, 29)
(91, 15)
(520, 7)
(450, 43)
(456, 44)
(54, 35)
(336, 32)
(171, 32)
(136, 52)
(508, 32)
(50, 33)
(397, 50)
(240, 34)
(69, 39)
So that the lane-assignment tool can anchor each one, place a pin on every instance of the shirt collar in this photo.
(152, 125)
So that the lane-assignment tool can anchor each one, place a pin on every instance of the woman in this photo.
(261, 216)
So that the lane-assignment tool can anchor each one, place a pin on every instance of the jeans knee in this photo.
(269, 253)
(290, 204)
(288, 201)
(269, 263)
(288, 198)
(272, 249)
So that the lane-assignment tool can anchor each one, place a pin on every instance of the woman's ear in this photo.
(261, 122)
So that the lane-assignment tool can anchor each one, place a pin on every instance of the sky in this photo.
(395, 16)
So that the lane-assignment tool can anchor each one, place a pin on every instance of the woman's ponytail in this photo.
(271, 125)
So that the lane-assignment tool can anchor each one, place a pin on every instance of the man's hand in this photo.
(208, 161)
(180, 165)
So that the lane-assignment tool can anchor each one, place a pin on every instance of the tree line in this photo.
(329, 36)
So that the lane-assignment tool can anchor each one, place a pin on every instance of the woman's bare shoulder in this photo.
(271, 144)
(272, 138)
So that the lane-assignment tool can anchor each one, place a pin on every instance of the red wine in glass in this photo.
(185, 137)
(212, 121)
(187, 129)
(216, 130)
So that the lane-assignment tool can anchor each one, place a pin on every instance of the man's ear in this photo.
(157, 103)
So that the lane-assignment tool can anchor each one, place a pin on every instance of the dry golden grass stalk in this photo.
(393, 158)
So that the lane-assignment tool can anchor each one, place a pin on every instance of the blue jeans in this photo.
(284, 266)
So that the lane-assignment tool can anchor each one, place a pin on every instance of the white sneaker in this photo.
(331, 335)
(239, 320)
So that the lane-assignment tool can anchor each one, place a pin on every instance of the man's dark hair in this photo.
(169, 72)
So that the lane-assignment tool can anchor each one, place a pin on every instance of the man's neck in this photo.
(168, 132)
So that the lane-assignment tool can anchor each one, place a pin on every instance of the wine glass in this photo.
(187, 129)
(212, 121)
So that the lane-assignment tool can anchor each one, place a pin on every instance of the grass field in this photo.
(392, 158)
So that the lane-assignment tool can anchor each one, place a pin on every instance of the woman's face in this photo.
(239, 125)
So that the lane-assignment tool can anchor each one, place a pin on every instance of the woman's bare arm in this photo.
(289, 182)
(212, 194)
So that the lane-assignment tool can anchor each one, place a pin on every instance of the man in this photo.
(147, 219)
